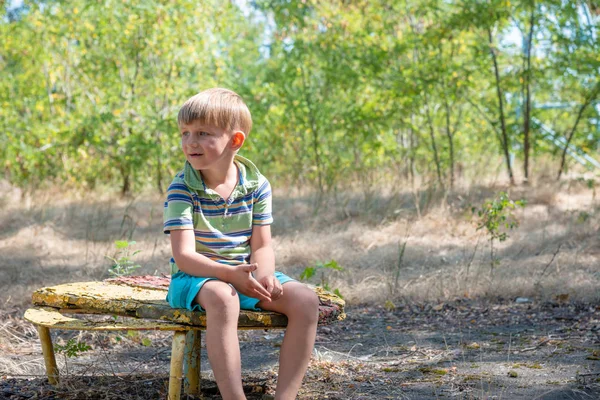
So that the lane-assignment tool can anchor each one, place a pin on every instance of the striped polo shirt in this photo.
(222, 227)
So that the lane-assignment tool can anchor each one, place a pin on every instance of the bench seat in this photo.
(142, 298)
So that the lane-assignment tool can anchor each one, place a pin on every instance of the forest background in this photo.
(361, 92)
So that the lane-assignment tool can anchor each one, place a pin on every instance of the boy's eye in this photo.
(198, 133)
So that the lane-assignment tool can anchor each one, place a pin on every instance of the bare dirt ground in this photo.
(445, 328)
(463, 349)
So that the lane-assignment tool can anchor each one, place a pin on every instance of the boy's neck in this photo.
(213, 178)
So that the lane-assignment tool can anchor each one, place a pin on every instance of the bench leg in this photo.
(48, 351)
(191, 367)
(176, 365)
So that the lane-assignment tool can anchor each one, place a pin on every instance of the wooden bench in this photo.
(143, 299)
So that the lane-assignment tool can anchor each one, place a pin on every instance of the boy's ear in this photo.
(238, 140)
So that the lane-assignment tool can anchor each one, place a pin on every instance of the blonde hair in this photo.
(219, 107)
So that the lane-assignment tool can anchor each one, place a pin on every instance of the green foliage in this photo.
(123, 265)
(72, 348)
(496, 217)
(136, 337)
(321, 268)
(582, 217)
(589, 183)
(309, 272)
(338, 90)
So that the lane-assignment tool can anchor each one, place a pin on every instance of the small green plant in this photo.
(589, 183)
(136, 337)
(495, 216)
(122, 260)
(583, 217)
(72, 348)
(321, 268)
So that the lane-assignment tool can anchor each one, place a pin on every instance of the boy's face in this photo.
(206, 146)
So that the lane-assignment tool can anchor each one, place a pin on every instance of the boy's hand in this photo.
(242, 280)
(272, 285)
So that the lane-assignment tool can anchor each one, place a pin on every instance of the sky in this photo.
(14, 3)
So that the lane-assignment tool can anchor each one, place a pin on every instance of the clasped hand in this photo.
(266, 288)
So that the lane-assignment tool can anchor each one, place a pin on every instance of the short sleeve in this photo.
(179, 208)
(261, 209)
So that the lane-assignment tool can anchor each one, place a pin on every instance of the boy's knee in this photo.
(307, 306)
(218, 296)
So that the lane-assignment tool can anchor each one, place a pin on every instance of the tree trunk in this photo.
(159, 176)
(501, 108)
(411, 156)
(126, 187)
(527, 86)
(314, 131)
(436, 157)
(449, 130)
(588, 101)
(450, 136)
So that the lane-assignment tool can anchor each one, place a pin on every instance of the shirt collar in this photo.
(248, 176)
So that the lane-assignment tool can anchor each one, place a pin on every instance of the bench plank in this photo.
(112, 298)
(53, 318)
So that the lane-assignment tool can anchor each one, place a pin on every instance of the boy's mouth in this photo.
(194, 154)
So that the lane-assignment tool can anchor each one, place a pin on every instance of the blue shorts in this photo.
(184, 288)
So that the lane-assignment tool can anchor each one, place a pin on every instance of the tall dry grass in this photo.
(52, 237)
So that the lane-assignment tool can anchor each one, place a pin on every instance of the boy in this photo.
(218, 214)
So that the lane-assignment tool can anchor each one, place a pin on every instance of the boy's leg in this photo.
(301, 306)
(222, 307)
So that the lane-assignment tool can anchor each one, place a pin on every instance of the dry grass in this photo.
(51, 237)
(445, 255)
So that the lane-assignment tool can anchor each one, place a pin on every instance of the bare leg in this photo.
(222, 307)
(301, 306)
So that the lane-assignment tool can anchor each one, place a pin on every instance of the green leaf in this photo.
(333, 265)
(121, 244)
(308, 273)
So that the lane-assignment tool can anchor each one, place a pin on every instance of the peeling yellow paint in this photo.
(52, 318)
(263, 318)
(179, 317)
(98, 297)
(327, 297)
(149, 303)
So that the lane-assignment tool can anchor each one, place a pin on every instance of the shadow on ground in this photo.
(463, 349)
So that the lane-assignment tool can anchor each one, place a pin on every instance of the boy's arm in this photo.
(261, 251)
(263, 256)
(183, 246)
